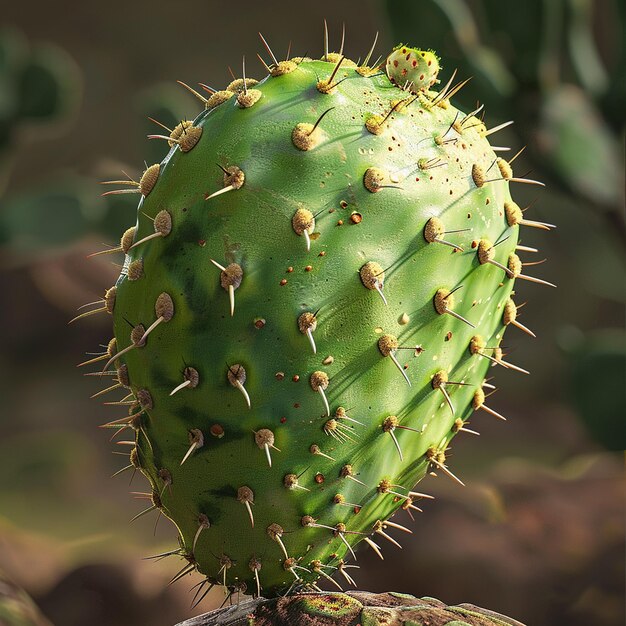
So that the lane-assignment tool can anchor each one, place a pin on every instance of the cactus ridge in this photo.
(308, 314)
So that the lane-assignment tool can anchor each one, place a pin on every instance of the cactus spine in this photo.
(317, 284)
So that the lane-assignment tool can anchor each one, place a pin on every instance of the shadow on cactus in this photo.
(311, 302)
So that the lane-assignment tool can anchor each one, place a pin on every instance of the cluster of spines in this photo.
(306, 136)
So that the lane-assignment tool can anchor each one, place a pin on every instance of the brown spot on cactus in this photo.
(122, 375)
(134, 458)
(373, 277)
(303, 224)
(166, 476)
(478, 175)
(284, 67)
(219, 97)
(178, 131)
(326, 86)
(245, 495)
(315, 449)
(217, 431)
(434, 232)
(444, 303)
(375, 179)
(144, 397)
(149, 179)
(478, 402)
(109, 302)
(486, 254)
(135, 269)
(506, 171)
(162, 228)
(185, 135)
(127, 239)
(509, 316)
(439, 381)
(477, 344)
(239, 85)
(387, 345)
(440, 378)
(307, 136)
(334, 57)
(437, 458)
(164, 310)
(319, 382)
(136, 341)
(513, 213)
(234, 177)
(191, 378)
(514, 216)
(514, 265)
(196, 441)
(275, 532)
(264, 439)
(307, 323)
(347, 471)
(225, 563)
(230, 279)
(374, 124)
(203, 524)
(249, 98)
(236, 375)
(164, 307)
(292, 481)
(434, 229)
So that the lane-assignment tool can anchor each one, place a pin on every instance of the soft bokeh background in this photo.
(538, 533)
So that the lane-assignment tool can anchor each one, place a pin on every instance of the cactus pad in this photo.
(351, 609)
(315, 292)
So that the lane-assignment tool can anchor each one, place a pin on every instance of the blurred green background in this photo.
(538, 534)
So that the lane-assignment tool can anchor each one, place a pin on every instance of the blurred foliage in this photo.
(40, 87)
(56, 215)
(597, 365)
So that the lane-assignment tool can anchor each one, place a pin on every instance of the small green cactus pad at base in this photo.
(355, 608)
(316, 287)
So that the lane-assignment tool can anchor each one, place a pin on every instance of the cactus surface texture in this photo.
(355, 608)
(312, 297)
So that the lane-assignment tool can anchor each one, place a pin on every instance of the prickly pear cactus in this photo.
(351, 609)
(317, 284)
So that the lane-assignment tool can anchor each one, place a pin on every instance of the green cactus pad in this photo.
(366, 609)
(301, 343)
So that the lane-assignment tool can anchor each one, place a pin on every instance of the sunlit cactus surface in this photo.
(312, 300)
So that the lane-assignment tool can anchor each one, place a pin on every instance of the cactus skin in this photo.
(331, 196)
(350, 609)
